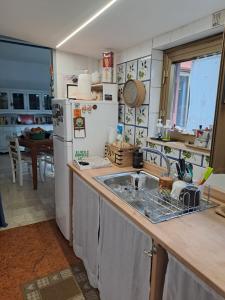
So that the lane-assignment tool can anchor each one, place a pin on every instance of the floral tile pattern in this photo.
(141, 136)
(144, 66)
(142, 116)
(131, 70)
(121, 113)
(121, 73)
(129, 134)
(120, 93)
(129, 115)
(205, 162)
(191, 157)
(171, 152)
(154, 158)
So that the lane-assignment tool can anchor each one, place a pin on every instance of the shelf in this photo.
(180, 146)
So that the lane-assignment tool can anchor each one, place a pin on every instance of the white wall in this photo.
(70, 64)
(196, 30)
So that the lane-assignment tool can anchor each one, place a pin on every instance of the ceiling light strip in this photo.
(101, 11)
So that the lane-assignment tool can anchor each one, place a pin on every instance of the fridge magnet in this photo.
(77, 112)
(79, 127)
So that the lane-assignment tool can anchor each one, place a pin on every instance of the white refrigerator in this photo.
(97, 117)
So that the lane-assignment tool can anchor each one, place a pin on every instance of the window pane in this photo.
(47, 102)
(4, 101)
(18, 101)
(34, 101)
(193, 91)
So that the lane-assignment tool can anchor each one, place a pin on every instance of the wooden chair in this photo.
(18, 159)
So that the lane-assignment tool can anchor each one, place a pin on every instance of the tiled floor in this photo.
(23, 205)
(30, 252)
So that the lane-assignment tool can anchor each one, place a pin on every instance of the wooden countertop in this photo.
(197, 240)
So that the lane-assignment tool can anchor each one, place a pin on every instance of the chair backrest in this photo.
(14, 149)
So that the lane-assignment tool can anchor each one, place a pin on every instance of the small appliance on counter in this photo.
(138, 162)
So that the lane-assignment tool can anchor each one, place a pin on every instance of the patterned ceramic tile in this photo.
(121, 113)
(120, 93)
(205, 163)
(192, 157)
(144, 66)
(129, 115)
(154, 158)
(171, 152)
(142, 116)
(131, 70)
(147, 91)
(140, 136)
(121, 70)
(129, 134)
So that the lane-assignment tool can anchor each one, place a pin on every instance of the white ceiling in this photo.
(125, 24)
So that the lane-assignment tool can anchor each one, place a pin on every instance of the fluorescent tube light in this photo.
(95, 16)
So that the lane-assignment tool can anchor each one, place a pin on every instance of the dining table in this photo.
(35, 147)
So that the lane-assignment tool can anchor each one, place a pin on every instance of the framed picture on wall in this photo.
(72, 90)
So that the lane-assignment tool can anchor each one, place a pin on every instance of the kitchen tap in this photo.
(156, 151)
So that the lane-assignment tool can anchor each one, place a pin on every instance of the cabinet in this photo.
(47, 103)
(4, 101)
(86, 227)
(34, 101)
(181, 283)
(112, 248)
(18, 101)
(124, 268)
(24, 101)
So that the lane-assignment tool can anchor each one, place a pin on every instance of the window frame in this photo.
(185, 52)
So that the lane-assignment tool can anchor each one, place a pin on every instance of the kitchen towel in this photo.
(2, 217)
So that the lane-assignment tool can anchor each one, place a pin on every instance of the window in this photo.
(191, 74)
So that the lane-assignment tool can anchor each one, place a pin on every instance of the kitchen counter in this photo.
(197, 240)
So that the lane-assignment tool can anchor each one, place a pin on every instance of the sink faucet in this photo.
(156, 151)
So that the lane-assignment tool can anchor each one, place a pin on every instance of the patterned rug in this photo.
(68, 284)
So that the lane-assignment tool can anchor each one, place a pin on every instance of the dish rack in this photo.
(160, 206)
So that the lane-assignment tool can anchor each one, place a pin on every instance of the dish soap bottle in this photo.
(159, 129)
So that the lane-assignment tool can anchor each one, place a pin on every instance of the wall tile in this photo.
(157, 54)
(154, 100)
(147, 89)
(156, 73)
(129, 115)
(153, 117)
(141, 136)
(154, 158)
(120, 93)
(171, 152)
(131, 70)
(121, 113)
(129, 134)
(191, 157)
(121, 73)
(142, 116)
(205, 162)
(144, 67)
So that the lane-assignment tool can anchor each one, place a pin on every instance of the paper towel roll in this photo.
(84, 87)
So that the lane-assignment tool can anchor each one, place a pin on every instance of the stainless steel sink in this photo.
(140, 190)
